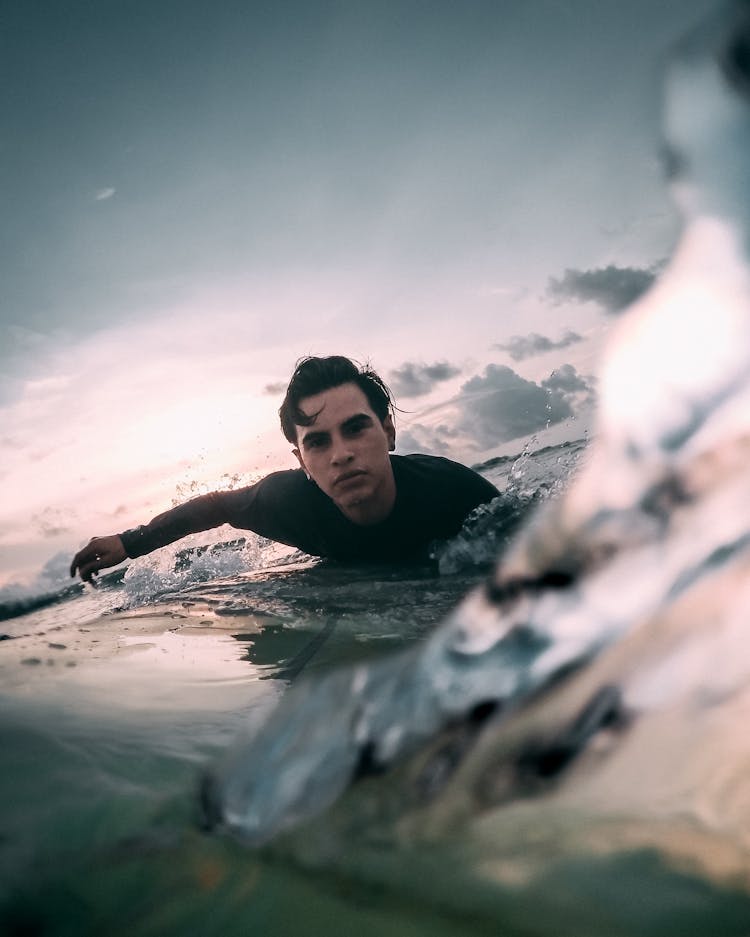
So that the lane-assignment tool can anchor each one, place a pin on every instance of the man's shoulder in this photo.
(435, 471)
(284, 480)
(282, 486)
(418, 462)
(421, 459)
(436, 494)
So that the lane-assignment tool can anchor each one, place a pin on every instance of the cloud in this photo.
(500, 405)
(496, 407)
(434, 440)
(101, 195)
(613, 288)
(520, 347)
(51, 522)
(274, 389)
(569, 384)
(416, 380)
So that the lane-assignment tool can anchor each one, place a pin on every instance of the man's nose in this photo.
(341, 452)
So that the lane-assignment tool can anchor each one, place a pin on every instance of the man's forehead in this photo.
(338, 399)
(335, 405)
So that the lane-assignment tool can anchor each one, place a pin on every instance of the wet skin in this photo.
(345, 451)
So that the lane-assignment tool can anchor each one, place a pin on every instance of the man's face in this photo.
(345, 452)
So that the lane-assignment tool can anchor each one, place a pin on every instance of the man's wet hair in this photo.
(313, 375)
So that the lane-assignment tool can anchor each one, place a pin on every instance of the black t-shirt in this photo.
(433, 498)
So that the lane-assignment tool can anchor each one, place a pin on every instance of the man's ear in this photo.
(299, 458)
(390, 432)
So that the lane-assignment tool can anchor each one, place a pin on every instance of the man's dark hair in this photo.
(313, 375)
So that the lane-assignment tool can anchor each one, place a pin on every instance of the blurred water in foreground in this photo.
(113, 700)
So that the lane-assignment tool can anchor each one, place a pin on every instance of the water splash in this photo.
(526, 481)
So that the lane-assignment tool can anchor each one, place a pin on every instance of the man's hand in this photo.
(99, 553)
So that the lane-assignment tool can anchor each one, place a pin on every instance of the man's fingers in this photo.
(87, 561)
(81, 558)
(87, 570)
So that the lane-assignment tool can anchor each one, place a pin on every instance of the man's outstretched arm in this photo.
(200, 513)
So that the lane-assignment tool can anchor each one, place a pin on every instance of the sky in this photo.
(195, 194)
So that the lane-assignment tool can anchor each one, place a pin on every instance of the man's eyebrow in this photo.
(356, 419)
(314, 434)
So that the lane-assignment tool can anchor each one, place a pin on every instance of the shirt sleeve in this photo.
(258, 507)
(201, 513)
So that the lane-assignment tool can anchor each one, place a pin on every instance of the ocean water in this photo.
(231, 740)
(114, 701)
(567, 753)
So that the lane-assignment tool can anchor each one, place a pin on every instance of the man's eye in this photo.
(315, 443)
(356, 428)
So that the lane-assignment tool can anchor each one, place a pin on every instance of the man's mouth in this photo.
(347, 477)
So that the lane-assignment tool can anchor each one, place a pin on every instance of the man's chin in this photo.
(353, 500)
(363, 507)
(353, 490)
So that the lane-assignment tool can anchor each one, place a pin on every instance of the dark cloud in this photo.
(613, 288)
(520, 347)
(416, 380)
(500, 405)
(273, 390)
(566, 381)
(434, 440)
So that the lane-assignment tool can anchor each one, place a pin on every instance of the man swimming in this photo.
(350, 500)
